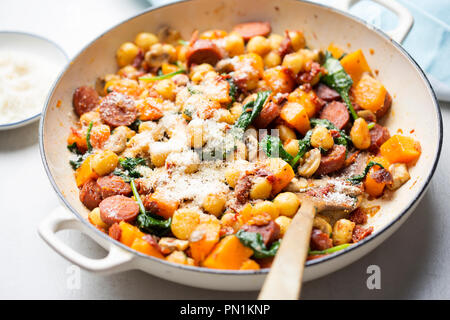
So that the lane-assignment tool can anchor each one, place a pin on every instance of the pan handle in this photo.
(405, 18)
(61, 219)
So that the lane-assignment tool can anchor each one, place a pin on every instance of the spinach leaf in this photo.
(330, 250)
(303, 146)
(359, 178)
(339, 80)
(153, 224)
(80, 157)
(146, 221)
(233, 90)
(73, 148)
(251, 110)
(249, 113)
(128, 171)
(273, 148)
(88, 137)
(254, 241)
(135, 125)
(163, 76)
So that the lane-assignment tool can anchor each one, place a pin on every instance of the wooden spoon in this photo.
(286, 273)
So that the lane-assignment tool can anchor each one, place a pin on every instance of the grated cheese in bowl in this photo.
(25, 80)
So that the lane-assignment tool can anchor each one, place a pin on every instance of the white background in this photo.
(414, 262)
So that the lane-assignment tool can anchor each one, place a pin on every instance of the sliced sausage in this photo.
(333, 160)
(249, 30)
(378, 136)
(115, 232)
(325, 93)
(320, 240)
(242, 189)
(269, 112)
(203, 51)
(337, 113)
(386, 106)
(269, 233)
(90, 194)
(118, 208)
(358, 216)
(360, 233)
(118, 109)
(112, 186)
(85, 99)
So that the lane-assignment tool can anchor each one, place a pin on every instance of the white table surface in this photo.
(414, 262)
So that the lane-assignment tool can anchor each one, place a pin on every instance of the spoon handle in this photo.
(285, 277)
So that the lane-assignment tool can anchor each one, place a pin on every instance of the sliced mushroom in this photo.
(367, 115)
(400, 175)
(157, 55)
(311, 162)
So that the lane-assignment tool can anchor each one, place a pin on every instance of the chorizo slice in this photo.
(118, 109)
(337, 113)
(203, 51)
(249, 30)
(358, 216)
(112, 186)
(269, 232)
(327, 94)
(320, 240)
(333, 160)
(360, 233)
(269, 112)
(378, 136)
(115, 231)
(386, 106)
(242, 189)
(90, 194)
(118, 208)
(85, 99)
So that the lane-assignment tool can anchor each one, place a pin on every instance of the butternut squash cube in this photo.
(145, 247)
(309, 100)
(355, 64)
(250, 265)
(296, 116)
(282, 173)
(369, 93)
(335, 51)
(129, 233)
(401, 149)
(85, 172)
(203, 239)
(229, 254)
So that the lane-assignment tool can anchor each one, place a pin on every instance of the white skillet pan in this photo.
(414, 108)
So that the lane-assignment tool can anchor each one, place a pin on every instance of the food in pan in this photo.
(199, 152)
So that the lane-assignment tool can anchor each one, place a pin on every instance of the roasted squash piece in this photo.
(229, 253)
(369, 93)
(401, 149)
(296, 116)
(355, 64)
(282, 173)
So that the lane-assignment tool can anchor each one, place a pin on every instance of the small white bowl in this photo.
(38, 45)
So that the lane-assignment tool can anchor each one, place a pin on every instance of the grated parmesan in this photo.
(24, 83)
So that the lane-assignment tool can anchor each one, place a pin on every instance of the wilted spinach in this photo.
(254, 241)
(339, 80)
(128, 170)
(359, 178)
(147, 221)
(273, 147)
